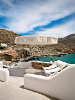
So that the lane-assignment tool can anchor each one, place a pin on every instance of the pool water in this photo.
(69, 58)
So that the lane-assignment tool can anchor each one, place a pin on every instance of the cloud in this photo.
(61, 31)
(24, 15)
(8, 2)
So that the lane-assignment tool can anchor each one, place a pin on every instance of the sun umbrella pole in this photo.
(35, 63)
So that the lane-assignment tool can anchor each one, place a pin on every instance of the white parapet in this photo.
(4, 75)
(61, 85)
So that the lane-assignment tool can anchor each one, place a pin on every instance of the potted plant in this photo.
(55, 59)
(51, 58)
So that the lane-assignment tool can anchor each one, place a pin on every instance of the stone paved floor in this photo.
(14, 90)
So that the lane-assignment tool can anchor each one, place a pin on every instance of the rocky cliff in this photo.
(69, 41)
(7, 36)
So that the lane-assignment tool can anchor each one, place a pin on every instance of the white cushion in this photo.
(53, 66)
(57, 62)
(61, 64)
(64, 65)
(51, 62)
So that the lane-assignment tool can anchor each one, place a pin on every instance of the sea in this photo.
(68, 58)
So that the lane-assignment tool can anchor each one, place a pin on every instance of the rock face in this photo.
(7, 36)
(61, 48)
(38, 50)
(8, 55)
(5, 57)
(39, 65)
(68, 41)
(69, 51)
(23, 53)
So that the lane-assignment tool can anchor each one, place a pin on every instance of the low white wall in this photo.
(41, 62)
(4, 74)
(61, 85)
(24, 64)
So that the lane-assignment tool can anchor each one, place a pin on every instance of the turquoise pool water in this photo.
(69, 58)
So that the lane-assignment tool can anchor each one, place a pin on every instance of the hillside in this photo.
(7, 36)
(69, 41)
(65, 45)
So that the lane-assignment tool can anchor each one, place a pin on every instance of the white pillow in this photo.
(51, 62)
(53, 66)
(58, 62)
(55, 62)
(64, 65)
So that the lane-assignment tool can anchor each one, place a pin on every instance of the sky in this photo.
(38, 17)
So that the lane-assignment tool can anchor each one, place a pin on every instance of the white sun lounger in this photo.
(52, 71)
(50, 67)
(54, 68)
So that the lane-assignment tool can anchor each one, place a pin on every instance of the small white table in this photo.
(30, 70)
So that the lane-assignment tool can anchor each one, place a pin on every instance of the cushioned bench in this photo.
(61, 85)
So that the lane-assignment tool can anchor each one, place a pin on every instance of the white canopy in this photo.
(36, 40)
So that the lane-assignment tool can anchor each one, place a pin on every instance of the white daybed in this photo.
(61, 85)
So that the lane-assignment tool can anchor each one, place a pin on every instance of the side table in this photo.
(30, 70)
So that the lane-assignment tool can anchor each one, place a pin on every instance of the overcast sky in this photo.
(38, 17)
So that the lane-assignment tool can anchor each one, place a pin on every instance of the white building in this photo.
(3, 45)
